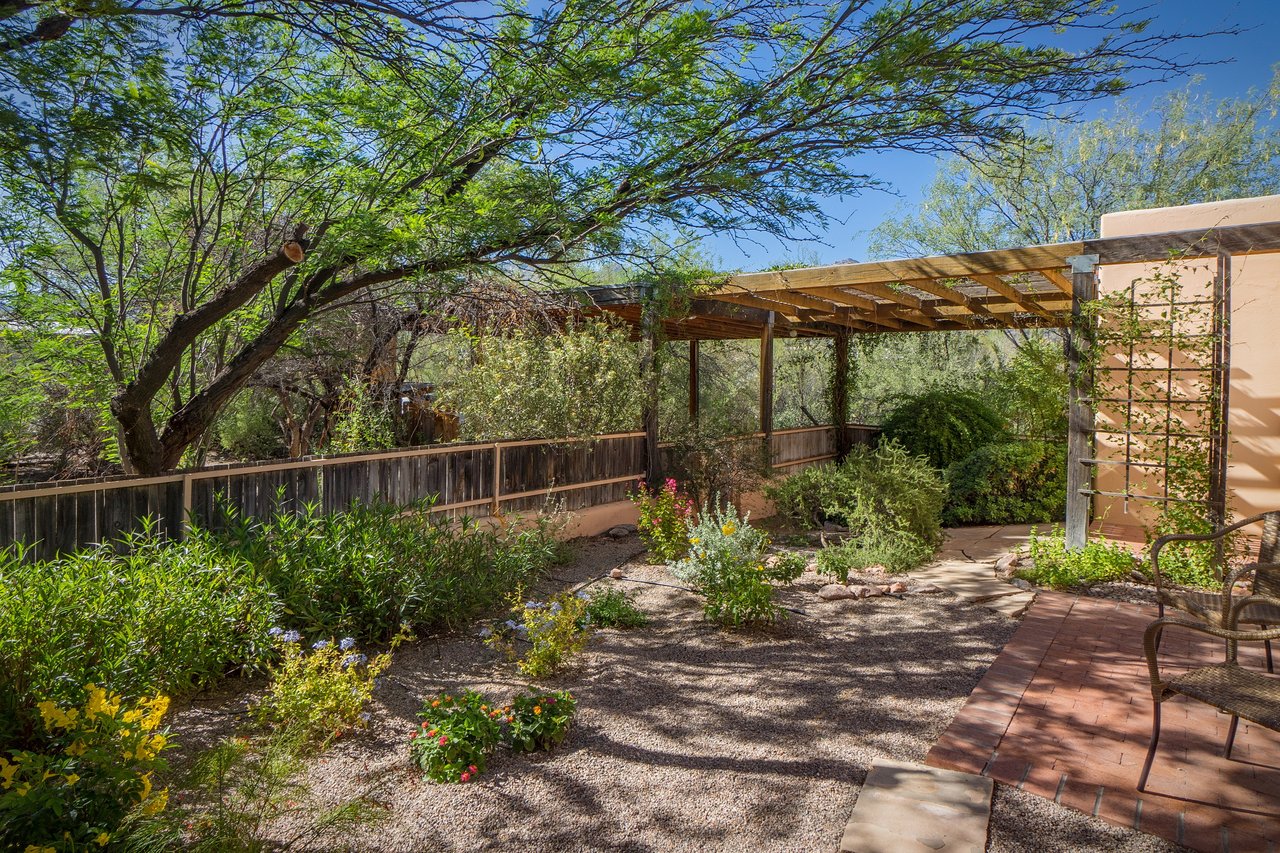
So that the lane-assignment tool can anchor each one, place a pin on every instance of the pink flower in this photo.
(443, 740)
(472, 768)
(464, 777)
(551, 700)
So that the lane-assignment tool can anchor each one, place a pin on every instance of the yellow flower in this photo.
(157, 803)
(23, 789)
(729, 529)
(7, 770)
(760, 568)
(102, 839)
(77, 748)
(146, 787)
(694, 540)
(72, 778)
(35, 848)
(157, 708)
(537, 709)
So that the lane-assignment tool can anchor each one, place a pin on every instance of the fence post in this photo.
(496, 504)
(650, 322)
(1080, 410)
(185, 527)
(840, 394)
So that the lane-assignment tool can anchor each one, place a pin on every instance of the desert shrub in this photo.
(553, 632)
(456, 737)
(896, 552)
(538, 722)
(713, 465)
(161, 616)
(874, 489)
(664, 519)
(785, 567)
(321, 692)
(613, 608)
(726, 566)
(943, 426)
(93, 766)
(1017, 483)
(1031, 390)
(1054, 565)
(366, 572)
(248, 429)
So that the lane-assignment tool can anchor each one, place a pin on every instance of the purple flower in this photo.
(291, 636)
(275, 632)
(319, 644)
(347, 643)
(354, 660)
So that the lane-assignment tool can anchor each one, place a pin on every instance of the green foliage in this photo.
(712, 465)
(528, 384)
(322, 692)
(456, 737)
(554, 631)
(160, 616)
(896, 552)
(664, 519)
(1031, 389)
(785, 567)
(613, 608)
(1054, 565)
(366, 572)
(247, 429)
(539, 722)
(362, 422)
(726, 566)
(241, 788)
(92, 767)
(1014, 483)
(943, 426)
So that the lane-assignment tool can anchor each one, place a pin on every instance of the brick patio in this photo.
(1065, 713)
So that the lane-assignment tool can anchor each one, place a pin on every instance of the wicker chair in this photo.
(1227, 686)
(1215, 607)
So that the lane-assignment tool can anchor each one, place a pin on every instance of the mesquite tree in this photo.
(189, 190)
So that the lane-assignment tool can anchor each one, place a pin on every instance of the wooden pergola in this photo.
(1030, 287)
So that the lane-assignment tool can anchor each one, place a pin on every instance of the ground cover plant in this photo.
(726, 566)
(664, 518)
(541, 637)
(456, 736)
(1055, 565)
(538, 722)
(612, 608)
(1012, 483)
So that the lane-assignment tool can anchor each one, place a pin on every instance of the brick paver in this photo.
(1065, 713)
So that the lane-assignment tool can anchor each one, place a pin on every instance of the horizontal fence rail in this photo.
(477, 479)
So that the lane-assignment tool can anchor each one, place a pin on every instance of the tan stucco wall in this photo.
(1254, 461)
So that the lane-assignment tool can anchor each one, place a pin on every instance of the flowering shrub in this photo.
(538, 722)
(554, 631)
(665, 515)
(726, 565)
(456, 737)
(94, 768)
(612, 608)
(322, 691)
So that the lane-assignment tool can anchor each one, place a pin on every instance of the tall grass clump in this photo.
(156, 617)
(365, 572)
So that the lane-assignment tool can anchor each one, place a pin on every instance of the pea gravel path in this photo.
(687, 737)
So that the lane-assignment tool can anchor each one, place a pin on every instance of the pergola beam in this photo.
(1002, 287)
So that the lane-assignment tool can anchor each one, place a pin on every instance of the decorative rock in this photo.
(929, 589)
(875, 570)
(617, 574)
(772, 561)
(884, 588)
(897, 587)
(835, 592)
(622, 531)
(832, 527)
(866, 591)
(1021, 584)
(1006, 564)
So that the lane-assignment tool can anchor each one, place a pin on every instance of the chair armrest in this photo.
(1151, 640)
(1240, 606)
(1196, 537)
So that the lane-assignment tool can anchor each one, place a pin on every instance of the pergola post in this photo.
(693, 381)
(840, 393)
(1080, 407)
(650, 323)
(766, 380)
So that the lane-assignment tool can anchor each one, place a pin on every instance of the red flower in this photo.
(472, 768)
(443, 740)
(464, 777)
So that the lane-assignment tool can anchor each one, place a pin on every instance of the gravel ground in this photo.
(687, 737)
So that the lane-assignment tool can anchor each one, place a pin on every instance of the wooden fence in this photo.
(477, 479)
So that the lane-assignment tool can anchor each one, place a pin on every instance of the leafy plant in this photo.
(160, 616)
(714, 464)
(785, 567)
(613, 608)
(554, 632)
(322, 692)
(943, 426)
(539, 722)
(1054, 565)
(664, 519)
(895, 552)
(456, 736)
(362, 422)
(1017, 483)
(93, 766)
(726, 566)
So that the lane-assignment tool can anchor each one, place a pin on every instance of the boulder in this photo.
(617, 574)
(622, 531)
(1021, 584)
(835, 592)
(897, 587)
(929, 589)
(1006, 564)
(832, 527)
(866, 591)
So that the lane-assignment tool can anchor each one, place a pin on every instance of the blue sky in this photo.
(1251, 56)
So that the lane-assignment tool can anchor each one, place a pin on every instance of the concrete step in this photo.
(910, 808)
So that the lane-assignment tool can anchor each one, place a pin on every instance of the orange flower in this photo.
(435, 703)
(537, 709)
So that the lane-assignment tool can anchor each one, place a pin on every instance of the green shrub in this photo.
(321, 692)
(613, 608)
(161, 617)
(1017, 483)
(786, 567)
(93, 767)
(366, 572)
(726, 566)
(538, 722)
(943, 426)
(1053, 565)
(663, 524)
(554, 631)
(873, 489)
(456, 737)
(896, 552)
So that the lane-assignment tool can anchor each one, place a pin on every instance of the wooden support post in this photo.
(495, 506)
(185, 527)
(650, 322)
(1080, 413)
(693, 382)
(840, 393)
(766, 379)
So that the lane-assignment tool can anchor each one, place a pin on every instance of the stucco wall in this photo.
(1254, 458)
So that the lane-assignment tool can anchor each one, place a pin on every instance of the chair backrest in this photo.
(1269, 550)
